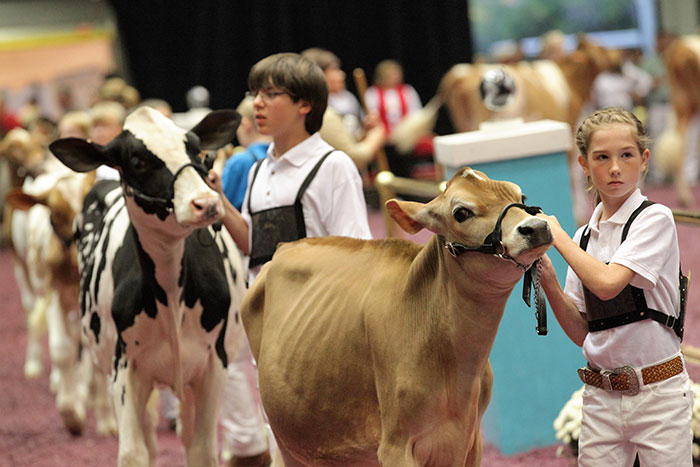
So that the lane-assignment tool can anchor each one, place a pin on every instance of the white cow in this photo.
(160, 289)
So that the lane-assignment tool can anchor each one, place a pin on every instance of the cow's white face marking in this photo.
(160, 135)
(167, 142)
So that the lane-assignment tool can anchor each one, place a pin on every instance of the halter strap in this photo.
(166, 204)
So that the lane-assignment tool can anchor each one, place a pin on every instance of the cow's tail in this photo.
(406, 134)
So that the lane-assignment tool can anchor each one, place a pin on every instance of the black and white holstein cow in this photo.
(160, 289)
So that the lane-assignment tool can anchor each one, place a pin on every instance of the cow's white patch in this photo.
(554, 80)
(468, 172)
(160, 135)
(693, 42)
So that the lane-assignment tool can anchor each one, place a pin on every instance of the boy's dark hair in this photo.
(301, 78)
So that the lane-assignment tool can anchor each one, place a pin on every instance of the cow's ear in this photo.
(408, 214)
(217, 129)
(78, 154)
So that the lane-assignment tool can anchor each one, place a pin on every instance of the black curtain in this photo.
(171, 46)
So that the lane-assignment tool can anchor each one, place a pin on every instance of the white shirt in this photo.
(651, 251)
(333, 203)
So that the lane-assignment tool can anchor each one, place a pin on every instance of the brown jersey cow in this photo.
(376, 351)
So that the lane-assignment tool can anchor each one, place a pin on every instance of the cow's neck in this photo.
(166, 253)
(472, 300)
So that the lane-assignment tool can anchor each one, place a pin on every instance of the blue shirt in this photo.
(234, 178)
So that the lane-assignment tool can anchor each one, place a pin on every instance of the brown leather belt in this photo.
(625, 380)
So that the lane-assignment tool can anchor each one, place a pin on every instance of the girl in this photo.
(621, 303)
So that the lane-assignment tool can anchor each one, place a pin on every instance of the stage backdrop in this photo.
(171, 46)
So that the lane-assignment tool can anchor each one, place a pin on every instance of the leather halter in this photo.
(165, 203)
(493, 244)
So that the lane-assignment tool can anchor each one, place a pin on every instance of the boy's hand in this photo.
(214, 181)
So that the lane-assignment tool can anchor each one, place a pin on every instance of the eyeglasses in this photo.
(266, 96)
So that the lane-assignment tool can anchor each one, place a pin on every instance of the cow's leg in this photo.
(64, 349)
(201, 402)
(35, 322)
(131, 393)
(474, 456)
(102, 403)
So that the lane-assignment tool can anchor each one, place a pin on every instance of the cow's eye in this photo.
(461, 214)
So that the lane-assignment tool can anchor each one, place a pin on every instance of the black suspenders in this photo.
(632, 294)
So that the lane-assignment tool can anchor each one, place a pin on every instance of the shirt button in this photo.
(272, 173)
(268, 193)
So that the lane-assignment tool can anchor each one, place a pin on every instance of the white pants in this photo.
(242, 420)
(655, 423)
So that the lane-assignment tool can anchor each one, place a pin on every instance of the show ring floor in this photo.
(32, 434)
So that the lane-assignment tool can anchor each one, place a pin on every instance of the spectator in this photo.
(235, 174)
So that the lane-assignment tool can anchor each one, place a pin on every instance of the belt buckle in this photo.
(632, 380)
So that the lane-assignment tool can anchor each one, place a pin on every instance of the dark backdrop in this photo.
(172, 45)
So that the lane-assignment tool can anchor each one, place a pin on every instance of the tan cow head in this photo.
(22, 151)
(63, 197)
(467, 212)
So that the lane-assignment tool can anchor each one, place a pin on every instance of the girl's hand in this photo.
(554, 226)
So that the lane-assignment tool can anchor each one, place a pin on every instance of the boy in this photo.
(303, 187)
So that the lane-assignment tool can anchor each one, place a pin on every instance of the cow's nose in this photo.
(206, 207)
(536, 230)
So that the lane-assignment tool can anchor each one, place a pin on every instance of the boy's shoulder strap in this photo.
(256, 168)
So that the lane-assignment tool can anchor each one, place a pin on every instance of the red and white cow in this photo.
(46, 270)
(160, 289)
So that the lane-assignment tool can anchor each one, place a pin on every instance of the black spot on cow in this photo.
(204, 280)
(123, 394)
(95, 326)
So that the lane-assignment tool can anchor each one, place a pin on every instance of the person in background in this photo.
(339, 98)
(358, 139)
(75, 124)
(389, 96)
(197, 108)
(234, 177)
(107, 121)
(623, 305)
(8, 119)
(160, 105)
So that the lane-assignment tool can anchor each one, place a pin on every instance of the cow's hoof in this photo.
(259, 460)
(73, 421)
(32, 369)
(108, 428)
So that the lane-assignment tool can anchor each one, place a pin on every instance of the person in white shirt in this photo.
(623, 304)
(303, 187)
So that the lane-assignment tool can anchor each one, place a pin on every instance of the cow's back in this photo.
(100, 228)
(293, 312)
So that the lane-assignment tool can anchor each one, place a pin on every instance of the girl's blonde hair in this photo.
(603, 118)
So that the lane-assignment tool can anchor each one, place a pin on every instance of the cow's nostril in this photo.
(526, 230)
